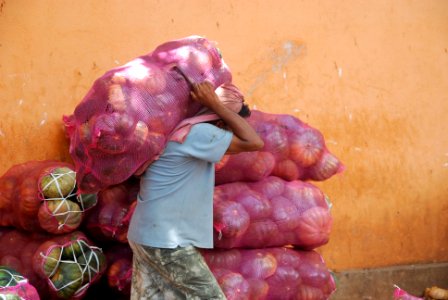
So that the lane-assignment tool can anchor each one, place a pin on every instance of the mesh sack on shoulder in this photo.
(124, 120)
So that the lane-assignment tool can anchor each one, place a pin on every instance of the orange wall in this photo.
(371, 75)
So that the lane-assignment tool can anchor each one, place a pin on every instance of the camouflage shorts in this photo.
(167, 274)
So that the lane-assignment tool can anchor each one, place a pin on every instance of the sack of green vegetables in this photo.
(42, 196)
(60, 267)
(14, 286)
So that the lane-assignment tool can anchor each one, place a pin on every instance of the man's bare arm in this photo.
(244, 136)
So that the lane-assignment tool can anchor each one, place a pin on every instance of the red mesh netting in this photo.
(271, 273)
(269, 213)
(14, 286)
(109, 220)
(42, 196)
(292, 150)
(61, 267)
(125, 118)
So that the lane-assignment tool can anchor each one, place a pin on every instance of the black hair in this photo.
(244, 111)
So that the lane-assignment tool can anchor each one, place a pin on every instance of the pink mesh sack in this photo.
(109, 220)
(125, 118)
(292, 150)
(61, 267)
(42, 196)
(269, 213)
(271, 273)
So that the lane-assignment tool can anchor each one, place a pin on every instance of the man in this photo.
(174, 213)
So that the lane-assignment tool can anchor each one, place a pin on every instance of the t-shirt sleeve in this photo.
(207, 142)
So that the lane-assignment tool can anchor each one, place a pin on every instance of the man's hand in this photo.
(244, 136)
(204, 93)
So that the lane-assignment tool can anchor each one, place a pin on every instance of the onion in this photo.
(259, 288)
(231, 217)
(199, 60)
(140, 133)
(145, 76)
(234, 286)
(116, 98)
(84, 133)
(304, 195)
(287, 257)
(315, 275)
(306, 148)
(225, 259)
(327, 166)
(155, 142)
(286, 169)
(309, 293)
(285, 213)
(112, 144)
(257, 205)
(157, 124)
(275, 139)
(119, 274)
(260, 233)
(229, 191)
(284, 284)
(262, 166)
(155, 81)
(314, 227)
(291, 123)
(270, 187)
(258, 264)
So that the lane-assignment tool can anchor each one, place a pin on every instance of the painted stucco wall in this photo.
(372, 76)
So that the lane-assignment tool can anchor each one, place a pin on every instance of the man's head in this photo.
(233, 99)
(245, 111)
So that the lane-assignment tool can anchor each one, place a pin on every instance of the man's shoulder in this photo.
(207, 133)
(206, 128)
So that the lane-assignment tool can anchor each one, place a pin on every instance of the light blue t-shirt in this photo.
(175, 202)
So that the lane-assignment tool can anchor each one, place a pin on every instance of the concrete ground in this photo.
(378, 284)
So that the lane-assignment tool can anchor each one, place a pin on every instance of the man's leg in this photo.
(179, 273)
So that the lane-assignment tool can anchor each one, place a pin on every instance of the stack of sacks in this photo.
(40, 209)
(264, 215)
(60, 267)
(42, 196)
(126, 117)
(268, 220)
